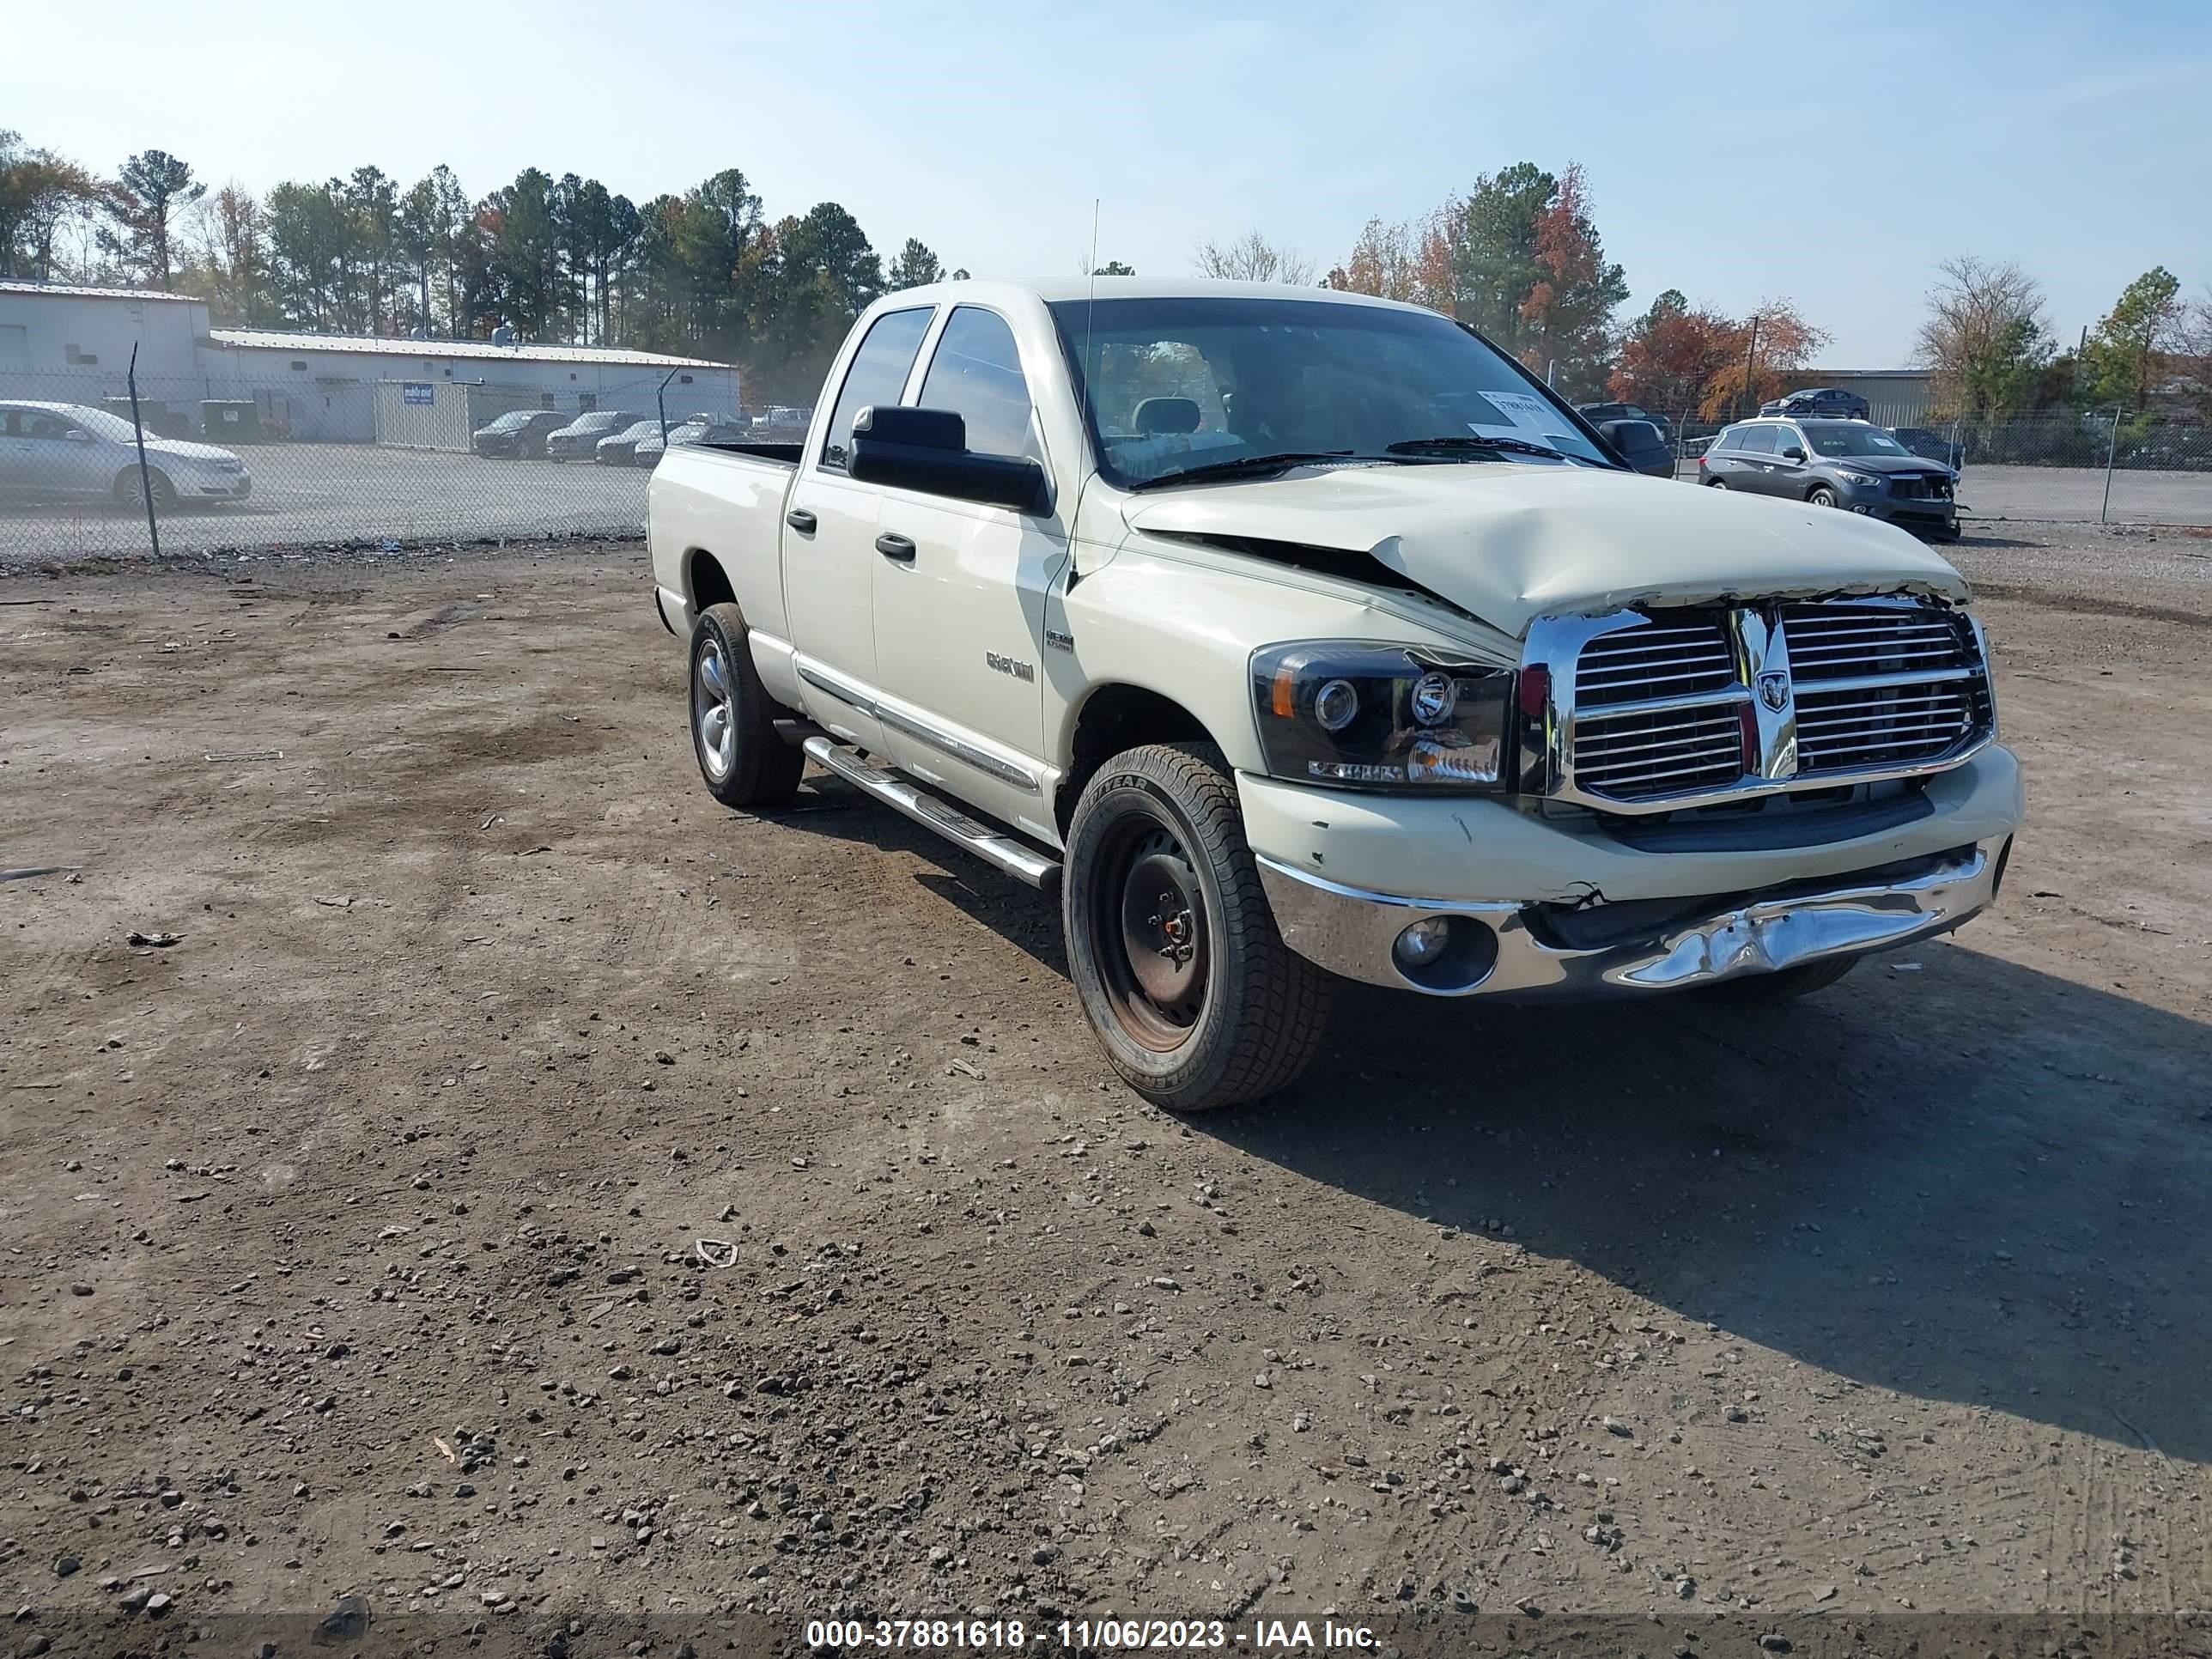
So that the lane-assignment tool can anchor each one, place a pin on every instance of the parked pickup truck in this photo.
(1288, 636)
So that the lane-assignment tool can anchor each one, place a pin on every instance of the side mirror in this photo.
(77, 435)
(927, 450)
(1792, 452)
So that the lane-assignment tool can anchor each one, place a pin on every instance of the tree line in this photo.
(706, 273)
(561, 261)
(1520, 257)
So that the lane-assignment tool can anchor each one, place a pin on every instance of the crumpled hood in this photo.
(1510, 543)
(178, 449)
(1883, 463)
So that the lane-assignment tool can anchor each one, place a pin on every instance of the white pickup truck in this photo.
(1291, 634)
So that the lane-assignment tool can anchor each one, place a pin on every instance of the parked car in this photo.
(1353, 656)
(1842, 464)
(699, 429)
(1598, 414)
(579, 441)
(620, 449)
(1821, 400)
(520, 434)
(1931, 445)
(1640, 444)
(56, 452)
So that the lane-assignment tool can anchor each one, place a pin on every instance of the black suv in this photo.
(520, 434)
(1840, 464)
(1599, 414)
(1820, 401)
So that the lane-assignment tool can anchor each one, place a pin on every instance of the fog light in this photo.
(1423, 943)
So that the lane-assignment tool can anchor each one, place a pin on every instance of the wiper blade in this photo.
(1457, 441)
(1245, 466)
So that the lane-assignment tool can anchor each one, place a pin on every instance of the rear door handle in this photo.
(893, 545)
(801, 520)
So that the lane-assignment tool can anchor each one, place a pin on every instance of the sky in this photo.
(1832, 153)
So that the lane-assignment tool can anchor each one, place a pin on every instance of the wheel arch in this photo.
(1116, 715)
(705, 581)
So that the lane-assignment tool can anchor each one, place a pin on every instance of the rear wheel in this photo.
(1756, 990)
(1715, 483)
(1173, 950)
(743, 758)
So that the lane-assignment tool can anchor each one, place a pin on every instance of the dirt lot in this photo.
(355, 1240)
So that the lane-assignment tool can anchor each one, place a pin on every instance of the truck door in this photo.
(959, 594)
(830, 533)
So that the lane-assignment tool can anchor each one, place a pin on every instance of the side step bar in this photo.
(993, 847)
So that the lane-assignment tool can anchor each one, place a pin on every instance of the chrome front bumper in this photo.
(1526, 948)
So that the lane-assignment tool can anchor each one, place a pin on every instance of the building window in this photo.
(78, 355)
(301, 366)
(684, 380)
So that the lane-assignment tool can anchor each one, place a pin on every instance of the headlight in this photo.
(1849, 477)
(1361, 716)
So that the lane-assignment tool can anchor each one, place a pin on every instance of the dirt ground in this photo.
(359, 1242)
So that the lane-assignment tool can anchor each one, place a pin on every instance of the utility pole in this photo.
(1750, 355)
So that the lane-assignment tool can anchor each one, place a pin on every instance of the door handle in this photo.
(893, 545)
(801, 520)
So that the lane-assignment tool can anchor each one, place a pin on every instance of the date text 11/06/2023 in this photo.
(1263, 1636)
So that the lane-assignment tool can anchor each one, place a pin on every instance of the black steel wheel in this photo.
(1182, 971)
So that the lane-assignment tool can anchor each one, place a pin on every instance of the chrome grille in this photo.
(1663, 752)
(1653, 661)
(1831, 642)
(1708, 704)
(1846, 731)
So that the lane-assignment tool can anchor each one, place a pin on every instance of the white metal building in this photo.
(73, 344)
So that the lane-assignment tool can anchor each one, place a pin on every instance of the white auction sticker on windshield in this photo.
(1524, 416)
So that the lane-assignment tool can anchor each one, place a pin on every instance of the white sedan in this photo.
(51, 451)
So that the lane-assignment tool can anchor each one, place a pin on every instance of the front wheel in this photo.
(744, 759)
(1173, 950)
(1822, 496)
(129, 492)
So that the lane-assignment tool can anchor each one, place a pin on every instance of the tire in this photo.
(128, 493)
(1759, 990)
(1717, 484)
(742, 759)
(1201, 1004)
(1821, 496)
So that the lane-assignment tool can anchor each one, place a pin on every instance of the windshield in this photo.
(513, 422)
(598, 422)
(1840, 440)
(101, 423)
(1170, 385)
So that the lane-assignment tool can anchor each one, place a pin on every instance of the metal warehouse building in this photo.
(73, 345)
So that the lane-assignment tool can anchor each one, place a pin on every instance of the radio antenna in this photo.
(1090, 300)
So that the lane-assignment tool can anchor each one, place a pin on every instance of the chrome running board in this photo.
(994, 847)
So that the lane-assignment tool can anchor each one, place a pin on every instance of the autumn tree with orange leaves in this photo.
(1679, 359)
(1518, 257)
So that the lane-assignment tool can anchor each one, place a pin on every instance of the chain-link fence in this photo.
(355, 463)
(302, 463)
(2102, 467)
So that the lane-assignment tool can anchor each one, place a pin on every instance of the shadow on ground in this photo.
(1949, 1175)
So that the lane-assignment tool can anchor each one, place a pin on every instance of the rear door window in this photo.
(976, 371)
(1756, 440)
(878, 376)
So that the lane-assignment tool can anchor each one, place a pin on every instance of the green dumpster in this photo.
(225, 422)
